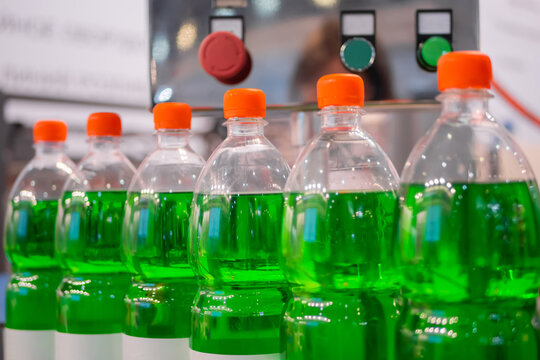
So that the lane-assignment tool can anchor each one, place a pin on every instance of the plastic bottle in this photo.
(91, 307)
(469, 230)
(156, 227)
(340, 202)
(234, 245)
(29, 245)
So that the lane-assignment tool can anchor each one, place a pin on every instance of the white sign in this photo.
(92, 51)
(434, 22)
(358, 24)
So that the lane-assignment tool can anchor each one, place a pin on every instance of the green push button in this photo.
(432, 49)
(357, 54)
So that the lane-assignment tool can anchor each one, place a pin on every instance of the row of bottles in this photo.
(238, 259)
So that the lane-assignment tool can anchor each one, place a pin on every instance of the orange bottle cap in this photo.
(244, 103)
(172, 115)
(50, 130)
(340, 90)
(464, 70)
(104, 124)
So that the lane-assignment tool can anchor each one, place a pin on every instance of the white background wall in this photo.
(510, 34)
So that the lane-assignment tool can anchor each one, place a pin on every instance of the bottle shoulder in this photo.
(95, 160)
(249, 165)
(166, 170)
(44, 179)
(467, 151)
(112, 171)
(343, 161)
(173, 156)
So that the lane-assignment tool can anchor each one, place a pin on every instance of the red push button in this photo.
(224, 56)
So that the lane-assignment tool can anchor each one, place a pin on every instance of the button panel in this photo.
(433, 36)
(357, 52)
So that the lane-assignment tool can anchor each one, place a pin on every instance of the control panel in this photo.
(200, 49)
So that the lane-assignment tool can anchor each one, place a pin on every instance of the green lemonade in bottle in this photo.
(234, 247)
(156, 233)
(476, 272)
(30, 247)
(29, 244)
(241, 234)
(91, 308)
(337, 246)
(93, 293)
(468, 231)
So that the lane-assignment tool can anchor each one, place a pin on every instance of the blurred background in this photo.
(62, 59)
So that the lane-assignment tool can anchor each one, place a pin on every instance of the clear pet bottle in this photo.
(156, 228)
(469, 229)
(29, 244)
(340, 203)
(91, 307)
(234, 245)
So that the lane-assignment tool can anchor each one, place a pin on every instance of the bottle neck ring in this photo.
(49, 148)
(245, 126)
(464, 103)
(104, 143)
(335, 118)
(172, 138)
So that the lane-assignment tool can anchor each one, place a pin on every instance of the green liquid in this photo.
(29, 244)
(160, 310)
(471, 242)
(339, 240)
(237, 239)
(239, 307)
(30, 229)
(490, 330)
(92, 304)
(29, 294)
(471, 254)
(91, 297)
(338, 251)
(340, 325)
(157, 235)
(233, 321)
(92, 238)
(159, 305)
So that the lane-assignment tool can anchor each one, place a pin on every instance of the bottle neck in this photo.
(245, 126)
(464, 105)
(341, 117)
(49, 148)
(104, 143)
(172, 138)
